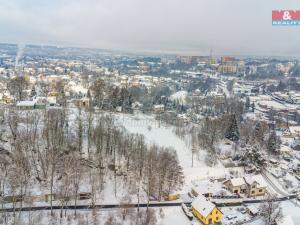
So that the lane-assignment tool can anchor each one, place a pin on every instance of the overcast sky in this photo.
(241, 27)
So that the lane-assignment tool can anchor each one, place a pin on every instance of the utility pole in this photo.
(193, 152)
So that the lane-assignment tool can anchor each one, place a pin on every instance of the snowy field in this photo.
(292, 208)
(164, 135)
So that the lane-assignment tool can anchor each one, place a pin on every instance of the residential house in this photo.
(119, 108)
(82, 102)
(159, 108)
(197, 190)
(297, 169)
(285, 150)
(256, 186)
(236, 185)
(251, 185)
(25, 105)
(252, 210)
(136, 105)
(296, 145)
(295, 131)
(206, 211)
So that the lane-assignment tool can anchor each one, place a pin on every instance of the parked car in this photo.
(187, 212)
(231, 217)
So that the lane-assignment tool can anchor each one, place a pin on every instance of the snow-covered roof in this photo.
(51, 100)
(295, 143)
(294, 129)
(261, 183)
(203, 206)
(26, 103)
(79, 89)
(253, 209)
(135, 104)
(272, 104)
(237, 182)
(284, 148)
(158, 106)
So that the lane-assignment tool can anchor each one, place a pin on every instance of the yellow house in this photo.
(206, 211)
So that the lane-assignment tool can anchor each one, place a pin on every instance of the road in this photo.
(89, 207)
(270, 182)
(142, 205)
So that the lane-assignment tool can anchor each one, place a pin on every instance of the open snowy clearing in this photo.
(163, 135)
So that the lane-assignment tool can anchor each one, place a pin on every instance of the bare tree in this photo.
(271, 210)
(148, 218)
(17, 86)
(98, 92)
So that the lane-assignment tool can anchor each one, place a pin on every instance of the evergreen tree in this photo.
(281, 86)
(252, 106)
(89, 94)
(251, 154)
(33, 92)
(258, 133)
(232, 133)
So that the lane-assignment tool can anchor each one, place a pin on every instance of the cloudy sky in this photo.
(239, 27)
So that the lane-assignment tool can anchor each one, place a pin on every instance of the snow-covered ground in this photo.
(289, 208)
(163, 135)
(292, 208)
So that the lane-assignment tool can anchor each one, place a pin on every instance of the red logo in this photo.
(286, 15)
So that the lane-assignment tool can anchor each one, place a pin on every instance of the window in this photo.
(217, 218)
(252, 192)
(260, 190)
